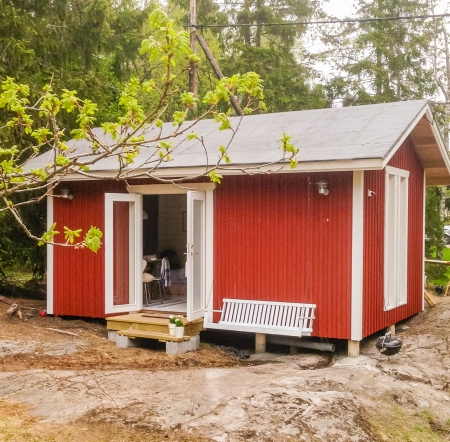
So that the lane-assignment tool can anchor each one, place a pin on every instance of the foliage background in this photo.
(92, 46)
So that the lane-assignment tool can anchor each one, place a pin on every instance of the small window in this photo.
(396, 238)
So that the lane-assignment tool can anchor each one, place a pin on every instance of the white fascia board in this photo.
(438, 137)
(357, 256)
(50, 256)
(244, 169)
(405, 135)
(170, 189)
(428, 113)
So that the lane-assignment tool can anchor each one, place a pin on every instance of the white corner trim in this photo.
(209, 291)
(357, 256)
(423, 235)
(50, 256)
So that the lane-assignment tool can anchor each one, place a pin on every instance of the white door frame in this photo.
(136, 277)
(208, 190)
(193, 248)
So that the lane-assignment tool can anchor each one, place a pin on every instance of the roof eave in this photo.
(432, 153)
(242, 169)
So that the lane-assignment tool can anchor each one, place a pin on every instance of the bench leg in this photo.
(260, 343)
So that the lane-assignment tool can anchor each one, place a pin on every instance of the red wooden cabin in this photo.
(356, 252)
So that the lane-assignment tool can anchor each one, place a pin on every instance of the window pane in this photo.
(396, 240)
(197, 259)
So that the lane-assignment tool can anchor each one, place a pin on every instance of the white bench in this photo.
(276, 318)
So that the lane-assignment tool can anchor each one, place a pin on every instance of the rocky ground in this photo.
(58, 387)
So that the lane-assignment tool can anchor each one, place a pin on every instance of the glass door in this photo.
(123, 254)
(195, 268)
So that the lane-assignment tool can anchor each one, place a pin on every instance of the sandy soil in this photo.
(55, 387)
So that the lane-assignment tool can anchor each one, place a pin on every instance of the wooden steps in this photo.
(161, 337)
(151, 323)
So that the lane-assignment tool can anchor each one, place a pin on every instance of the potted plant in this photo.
(177, 323)
(172, 320)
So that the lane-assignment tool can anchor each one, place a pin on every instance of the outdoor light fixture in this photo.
(322, 187)
(66, 194)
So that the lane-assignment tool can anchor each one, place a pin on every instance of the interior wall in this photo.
(172, 224)
(150, 225)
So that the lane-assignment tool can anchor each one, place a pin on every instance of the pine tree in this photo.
(382, 61)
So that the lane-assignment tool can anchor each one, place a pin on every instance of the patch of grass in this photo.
(428, 416)
(446, 254)
(17, 425)
(400, 426)
(437, 275)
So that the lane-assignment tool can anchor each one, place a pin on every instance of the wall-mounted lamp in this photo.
(66, 194)
(322, 187)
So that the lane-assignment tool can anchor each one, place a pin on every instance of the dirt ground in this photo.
(29, 344)
(58, 387)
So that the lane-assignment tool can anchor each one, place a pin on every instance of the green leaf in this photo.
(41, 134)
(70, 235)
(61, 160)
(93, 239)
(215, 177)
(39, 173)
(47, 237)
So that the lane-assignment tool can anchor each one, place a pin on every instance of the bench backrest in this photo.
(266, 314)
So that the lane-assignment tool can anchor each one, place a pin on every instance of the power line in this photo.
(327, 22)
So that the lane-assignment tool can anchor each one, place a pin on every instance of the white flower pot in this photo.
(172, 329)
(179, 332)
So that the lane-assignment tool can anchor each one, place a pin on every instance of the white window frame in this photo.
(396, 238)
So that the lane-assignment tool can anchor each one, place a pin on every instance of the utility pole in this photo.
(193, 38)
(218, 71)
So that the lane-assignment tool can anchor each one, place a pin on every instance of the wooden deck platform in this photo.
(161, 337)
(150, 322)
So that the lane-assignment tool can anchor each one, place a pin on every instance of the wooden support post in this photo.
(353, 349)
(215, 66)
(193, 33)
(390, 329)
(429, 298)
(260, 343)
(293, 350)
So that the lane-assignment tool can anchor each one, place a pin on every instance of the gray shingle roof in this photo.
(348, 133)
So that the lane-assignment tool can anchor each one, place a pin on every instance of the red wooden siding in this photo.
(374, 316)
(277, 239)
(121, 251)
(79, 281)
